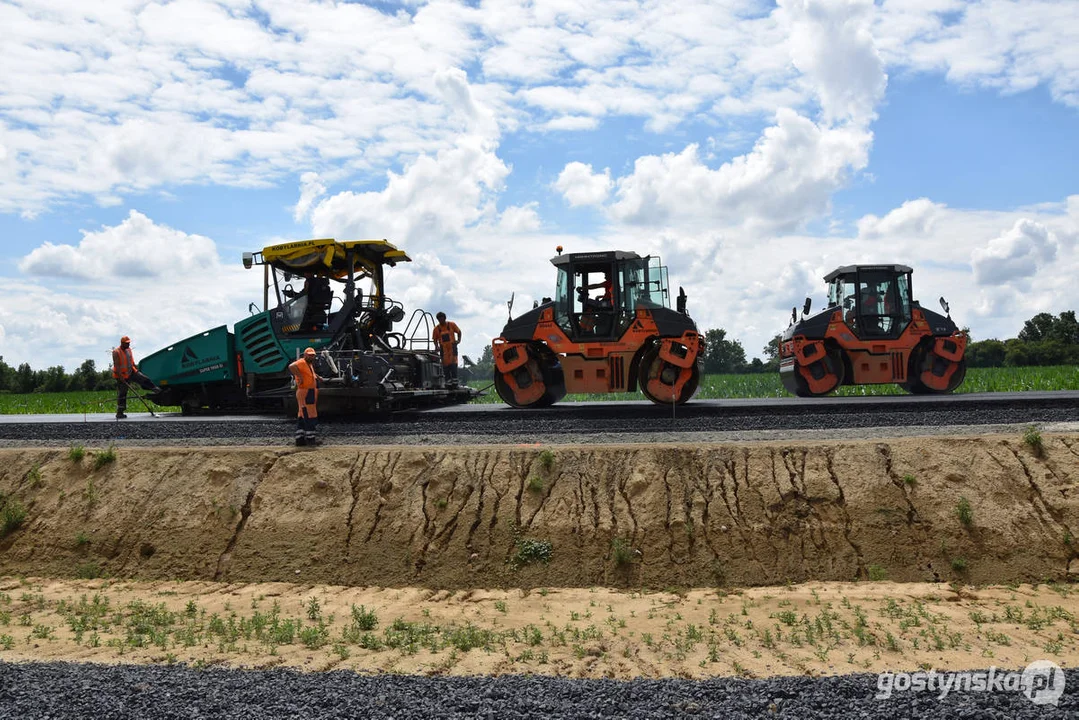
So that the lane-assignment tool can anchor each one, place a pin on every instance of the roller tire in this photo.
(504, 392)
(649, 360)
(837, 368)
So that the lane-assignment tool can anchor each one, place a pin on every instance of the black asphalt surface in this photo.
(65, 690)
(568, 419)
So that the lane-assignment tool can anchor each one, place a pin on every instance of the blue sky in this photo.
(754, 145)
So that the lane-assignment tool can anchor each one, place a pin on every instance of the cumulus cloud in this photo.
(914, 217)
(311, 189)
(580, 186)
(1006, 45)
(136, 248)
(429, 205)
(787, 179)
(519, 218)
(153, 282)
(1014, 256)
(831, 43)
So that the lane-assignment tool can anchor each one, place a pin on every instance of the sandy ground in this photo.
(808, 629)
(977, 510)
(654, 560)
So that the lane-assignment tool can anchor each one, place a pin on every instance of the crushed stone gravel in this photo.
(70, 690)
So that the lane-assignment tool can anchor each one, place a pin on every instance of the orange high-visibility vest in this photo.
(123, 363)
(306, 388)
(304, 374)
(447, 335)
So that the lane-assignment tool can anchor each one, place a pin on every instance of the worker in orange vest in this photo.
(447, 335)
(125, 372)
(303, 371)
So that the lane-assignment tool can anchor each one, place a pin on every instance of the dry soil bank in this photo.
(971, 509)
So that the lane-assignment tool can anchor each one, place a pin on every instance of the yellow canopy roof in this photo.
(329, 256)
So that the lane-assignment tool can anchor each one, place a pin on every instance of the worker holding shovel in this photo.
(125, 372)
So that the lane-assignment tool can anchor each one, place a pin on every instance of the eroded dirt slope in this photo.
(632, 516)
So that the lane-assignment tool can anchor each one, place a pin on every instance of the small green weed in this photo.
(89, 571)
(964, 512)
(76, 453)
(33, 476)
(528, 551)
(535, 484)
(959, 564)
(1033, 440)
(909, 480)
(364, 619)
(546, 460)
(89, 493)
(12, 516)
(82, 539)
(104, 457)
(621, 552)
(877, 573)
(41, 632)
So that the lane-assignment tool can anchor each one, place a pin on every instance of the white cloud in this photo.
(787, 179)
(580, 186)
(571, 123)
(1007, 45)
(914, 217)
(1015, 255)
(136, 248)
(519, 219)
(311, 189)
(832, 45)
(140, 278)
(429, 205)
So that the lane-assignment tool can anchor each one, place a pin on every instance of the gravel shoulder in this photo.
(126, 691)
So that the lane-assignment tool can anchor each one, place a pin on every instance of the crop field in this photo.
(768, 385)
(712, 387)
(83, 401)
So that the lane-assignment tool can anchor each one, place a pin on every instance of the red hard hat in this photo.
(125, 339)
(309, 351)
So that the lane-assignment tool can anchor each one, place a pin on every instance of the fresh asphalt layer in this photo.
(695, 408)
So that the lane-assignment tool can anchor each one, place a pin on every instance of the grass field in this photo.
(83, 401)
(767, 385)
(763, 385)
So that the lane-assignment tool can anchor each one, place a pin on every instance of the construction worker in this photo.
(303, 371)
(607, 298)
(124, 371)
(447, 335)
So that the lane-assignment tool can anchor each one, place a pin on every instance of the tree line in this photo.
(24, 379)
(1045, 339)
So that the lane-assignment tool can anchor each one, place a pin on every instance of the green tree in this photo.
(986, 353)
(53, 380)
(24, 379)
(722, 355)
(86, 377)
(771, 354)
(7, 376)
(482, 370)
(1038, 328)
